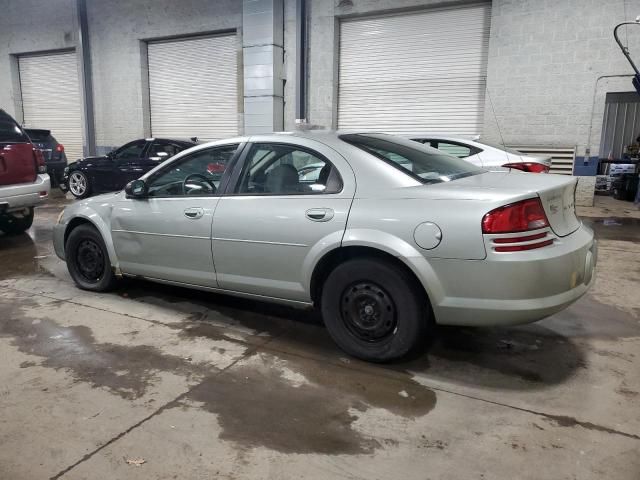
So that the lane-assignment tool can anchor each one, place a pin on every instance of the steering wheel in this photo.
(198, 176)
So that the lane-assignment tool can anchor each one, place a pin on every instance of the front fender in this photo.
(88, 214)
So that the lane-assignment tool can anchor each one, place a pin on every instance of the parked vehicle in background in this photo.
(486, 155)
(111, 172)
(24, 182)
(389, 237)
(53, 153)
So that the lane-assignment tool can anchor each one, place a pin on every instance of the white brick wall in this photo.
(544, 59)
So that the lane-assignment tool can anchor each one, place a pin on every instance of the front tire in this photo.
(78, 184)
(88, 260)
(374, 310)
(15, 224)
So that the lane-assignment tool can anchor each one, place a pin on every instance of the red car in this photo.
(24, 182)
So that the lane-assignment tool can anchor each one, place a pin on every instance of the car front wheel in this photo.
(16, 223)
(78, 184)
(374, 310)
(88, 260)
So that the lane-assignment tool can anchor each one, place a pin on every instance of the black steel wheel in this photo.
(368, 311)
(375, 310)
(88, 259)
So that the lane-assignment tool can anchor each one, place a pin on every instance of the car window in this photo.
(161, 150)
(39, 136)
(130, 151)
(278, 169)
(10, 131)
(460, 151)
(422, 163)
(197, 174)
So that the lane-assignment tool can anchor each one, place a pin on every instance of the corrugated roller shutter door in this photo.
(193, 88)
(418, 72)
(51, 98)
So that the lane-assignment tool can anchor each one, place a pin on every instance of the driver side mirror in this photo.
(136, 189)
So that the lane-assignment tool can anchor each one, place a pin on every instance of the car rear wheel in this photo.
(79, 185)
(374, 310)
(16, 223)
(88, 260)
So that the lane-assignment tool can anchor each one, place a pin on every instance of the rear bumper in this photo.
(518, 288)
(17, 197)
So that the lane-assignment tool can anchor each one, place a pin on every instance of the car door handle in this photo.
(194, 213)
(319, 214)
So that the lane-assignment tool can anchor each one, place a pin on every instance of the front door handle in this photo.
(194, 213)
(319, 214)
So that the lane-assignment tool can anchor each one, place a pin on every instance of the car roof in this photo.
(328, 137)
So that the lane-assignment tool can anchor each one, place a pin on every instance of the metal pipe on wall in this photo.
(301, 61)
(87, 80)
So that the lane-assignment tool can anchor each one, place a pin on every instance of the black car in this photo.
(114, 170)
(53, 152)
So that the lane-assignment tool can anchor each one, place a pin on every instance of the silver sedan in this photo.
(386, 236)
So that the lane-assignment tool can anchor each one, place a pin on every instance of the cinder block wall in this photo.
(545, 59)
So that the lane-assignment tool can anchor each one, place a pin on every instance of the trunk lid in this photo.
(556, 192)
(17, 164)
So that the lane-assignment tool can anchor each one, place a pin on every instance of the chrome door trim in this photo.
(160, 234)
(260, 241)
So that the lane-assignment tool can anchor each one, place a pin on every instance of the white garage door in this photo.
(193, 88)
(418, 72)
(51, 98)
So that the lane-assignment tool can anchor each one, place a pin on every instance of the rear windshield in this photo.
(39, 135)
(10, 132)
(424, 164)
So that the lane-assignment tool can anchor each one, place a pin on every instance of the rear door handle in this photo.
(319, 214)
(194, 213)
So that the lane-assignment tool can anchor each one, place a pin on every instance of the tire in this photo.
(375, 311)
(88, 260)
(78, 184)
(13, 224)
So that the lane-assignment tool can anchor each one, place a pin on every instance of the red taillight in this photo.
(516, 217)
(531, 167)
(39, 159)
(60, 148)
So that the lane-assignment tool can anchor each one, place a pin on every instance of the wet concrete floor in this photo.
(161, 382)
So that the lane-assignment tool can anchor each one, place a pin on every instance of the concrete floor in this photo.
(205, 386)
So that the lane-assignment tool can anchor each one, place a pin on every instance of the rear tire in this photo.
(15, 224)
(78, 184)
(374, 310)
(88, 260)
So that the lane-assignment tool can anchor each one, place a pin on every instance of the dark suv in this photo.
(24, 182)
(114, 170)
(53, 153)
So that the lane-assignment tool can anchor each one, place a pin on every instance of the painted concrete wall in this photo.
(545, 58)
(117, 28)
(18, 28)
